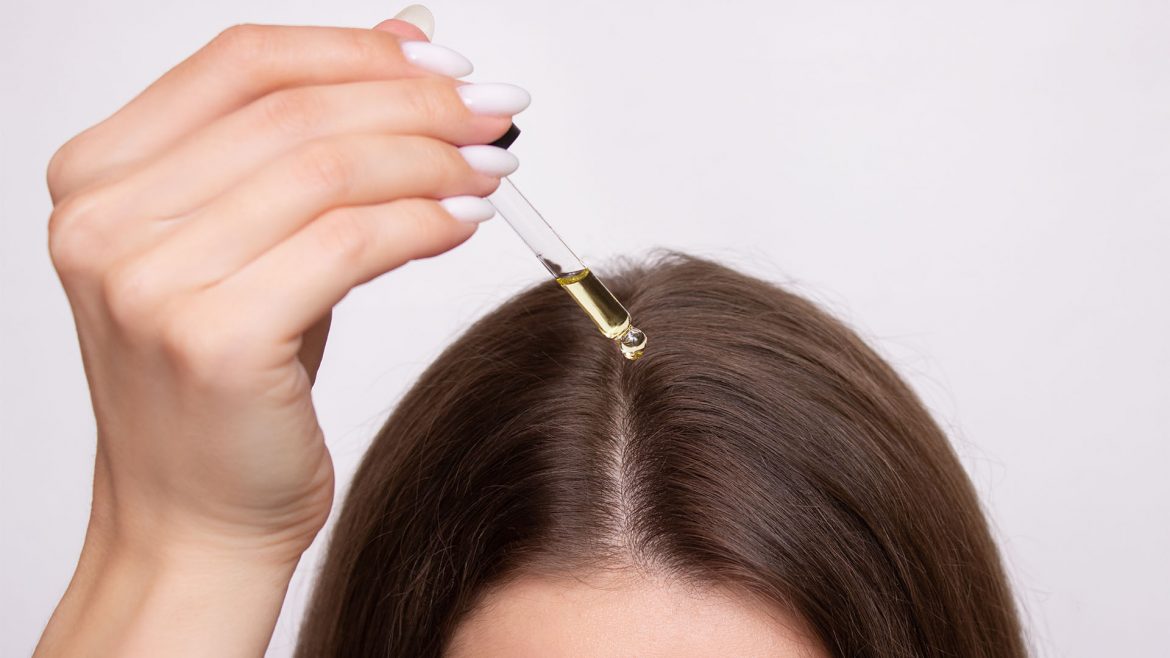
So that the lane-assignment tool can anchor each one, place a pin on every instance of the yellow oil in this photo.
(611, 318)
(598, 302)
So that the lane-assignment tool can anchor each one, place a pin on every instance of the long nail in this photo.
(490, 160)
(436, 58)
(494, 97)
(471, 209)
(420, 17)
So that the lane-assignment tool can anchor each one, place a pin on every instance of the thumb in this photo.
(414, 23)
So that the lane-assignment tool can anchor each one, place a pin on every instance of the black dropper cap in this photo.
(507, 138)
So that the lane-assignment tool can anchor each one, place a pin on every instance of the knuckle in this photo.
(60, 165)
(295, 112)
(74, 233)
(131, 294)
(243, 42)
(324, 165)
(72, 164)
(342, 235)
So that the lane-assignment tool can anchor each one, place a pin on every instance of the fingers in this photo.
(406, 30)
(275, 202)
(241, 64)
(242, 141)
(291, 286)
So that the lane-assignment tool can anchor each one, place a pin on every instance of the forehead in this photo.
(622, 614)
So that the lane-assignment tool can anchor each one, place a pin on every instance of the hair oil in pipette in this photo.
(605, 310)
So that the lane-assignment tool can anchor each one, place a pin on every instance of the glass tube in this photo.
(611, 318)
(535, 231)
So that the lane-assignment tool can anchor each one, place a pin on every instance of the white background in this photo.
(982, 189)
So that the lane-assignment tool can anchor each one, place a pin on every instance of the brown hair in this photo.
(759, 444)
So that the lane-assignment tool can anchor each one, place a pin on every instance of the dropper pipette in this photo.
(607, 313)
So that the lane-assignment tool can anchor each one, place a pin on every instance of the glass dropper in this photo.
(607, 313)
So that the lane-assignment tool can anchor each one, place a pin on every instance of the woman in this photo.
(761, 483)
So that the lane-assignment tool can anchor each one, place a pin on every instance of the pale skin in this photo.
(627, 612)
(203, 234)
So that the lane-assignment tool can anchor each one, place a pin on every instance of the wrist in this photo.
(173, 603)
(147, 528)
(172, 596)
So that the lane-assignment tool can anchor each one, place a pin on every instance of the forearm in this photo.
(165, 601)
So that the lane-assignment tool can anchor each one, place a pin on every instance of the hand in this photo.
(203, 234)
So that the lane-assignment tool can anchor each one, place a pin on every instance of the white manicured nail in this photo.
(494, 97)
(490, 160)
(436, 58)
(468, 208)
(420, 17)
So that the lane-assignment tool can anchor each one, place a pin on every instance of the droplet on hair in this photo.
(632, 343)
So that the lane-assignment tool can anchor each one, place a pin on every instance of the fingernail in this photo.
(468, 208)
(494, 97)
(420, 17)
(436, 58)
(490, 160)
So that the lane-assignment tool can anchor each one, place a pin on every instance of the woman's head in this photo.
(760, 474)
